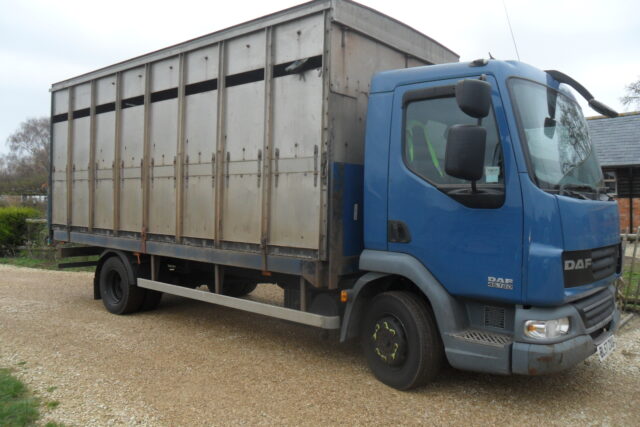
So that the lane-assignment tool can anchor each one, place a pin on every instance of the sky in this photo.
(43, 42)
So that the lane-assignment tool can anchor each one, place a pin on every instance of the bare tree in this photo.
(633, 95)
(25, 168)
(31, 141)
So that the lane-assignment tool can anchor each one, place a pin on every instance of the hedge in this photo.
(13, 227)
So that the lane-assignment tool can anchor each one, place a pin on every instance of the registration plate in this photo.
(606, 347)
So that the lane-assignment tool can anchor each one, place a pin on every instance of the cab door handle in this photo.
(398, 232)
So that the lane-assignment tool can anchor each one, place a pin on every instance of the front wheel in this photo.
(401, 341)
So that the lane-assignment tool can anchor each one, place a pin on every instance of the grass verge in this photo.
(18, 407)
(24, 260)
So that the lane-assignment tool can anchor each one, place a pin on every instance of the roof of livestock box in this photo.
(352, 15)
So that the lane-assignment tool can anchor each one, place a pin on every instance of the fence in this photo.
(628, 285)
(23, 199)
(37, 236)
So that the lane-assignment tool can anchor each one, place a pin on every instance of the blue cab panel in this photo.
(347, 193)
(376, 170)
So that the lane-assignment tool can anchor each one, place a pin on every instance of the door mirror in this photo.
(464, 155)
(474, 97)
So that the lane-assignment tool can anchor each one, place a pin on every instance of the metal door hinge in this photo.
(315, 165)
(276, 172)
(259, 166)
(227, 166)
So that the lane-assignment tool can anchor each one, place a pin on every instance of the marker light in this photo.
(344, 296)
(542, 329)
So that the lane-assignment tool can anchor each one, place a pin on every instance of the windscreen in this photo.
(557, 140)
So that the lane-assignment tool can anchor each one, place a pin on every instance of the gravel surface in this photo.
(191, 363)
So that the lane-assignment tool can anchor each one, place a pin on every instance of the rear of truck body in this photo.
(239, 158)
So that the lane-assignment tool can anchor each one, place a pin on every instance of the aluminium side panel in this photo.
(391, 32)
(80, 172)
(299, 39)
(201, 110)
(244, 135)
(296, 186)
(105, 154)
(355, 58)
(163, 135)
(415, 62)
(59, 161)
(297, 137)
(80, 156)
(131, 150)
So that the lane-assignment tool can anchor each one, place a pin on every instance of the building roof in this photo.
(616, 140)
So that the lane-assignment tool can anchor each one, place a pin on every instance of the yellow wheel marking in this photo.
(395, 351)
(382, 356)
(386, 326)
(375, 333)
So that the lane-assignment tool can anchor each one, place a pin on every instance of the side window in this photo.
(426, 124)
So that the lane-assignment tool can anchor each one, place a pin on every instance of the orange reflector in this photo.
(266, 273)
(344, 296)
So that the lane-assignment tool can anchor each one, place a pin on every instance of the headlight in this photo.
(542, 329)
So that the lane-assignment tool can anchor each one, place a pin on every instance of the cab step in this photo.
(484, 337)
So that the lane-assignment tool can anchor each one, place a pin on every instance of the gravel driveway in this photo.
(191, 363)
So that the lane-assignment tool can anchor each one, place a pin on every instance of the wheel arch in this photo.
(398, 271)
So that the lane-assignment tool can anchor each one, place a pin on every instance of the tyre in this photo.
(119, 295)
(234, 287)
(400, 340)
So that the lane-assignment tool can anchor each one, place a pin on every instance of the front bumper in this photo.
(593, 319)
(540, 359)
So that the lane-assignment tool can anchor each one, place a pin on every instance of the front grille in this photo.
(595, 308)
(604, 262)
(584, 267)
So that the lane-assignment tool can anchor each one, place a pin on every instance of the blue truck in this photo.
(431, 209)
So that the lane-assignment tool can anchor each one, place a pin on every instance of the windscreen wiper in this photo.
(593, 103)
(577, 190)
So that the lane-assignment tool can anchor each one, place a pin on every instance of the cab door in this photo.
(472, 243)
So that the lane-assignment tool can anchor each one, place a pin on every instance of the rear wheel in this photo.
(118, 294)
(401, 341)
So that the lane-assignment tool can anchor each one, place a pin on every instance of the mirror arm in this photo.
(593, 103)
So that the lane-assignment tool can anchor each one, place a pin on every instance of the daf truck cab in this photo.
(483, 191)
